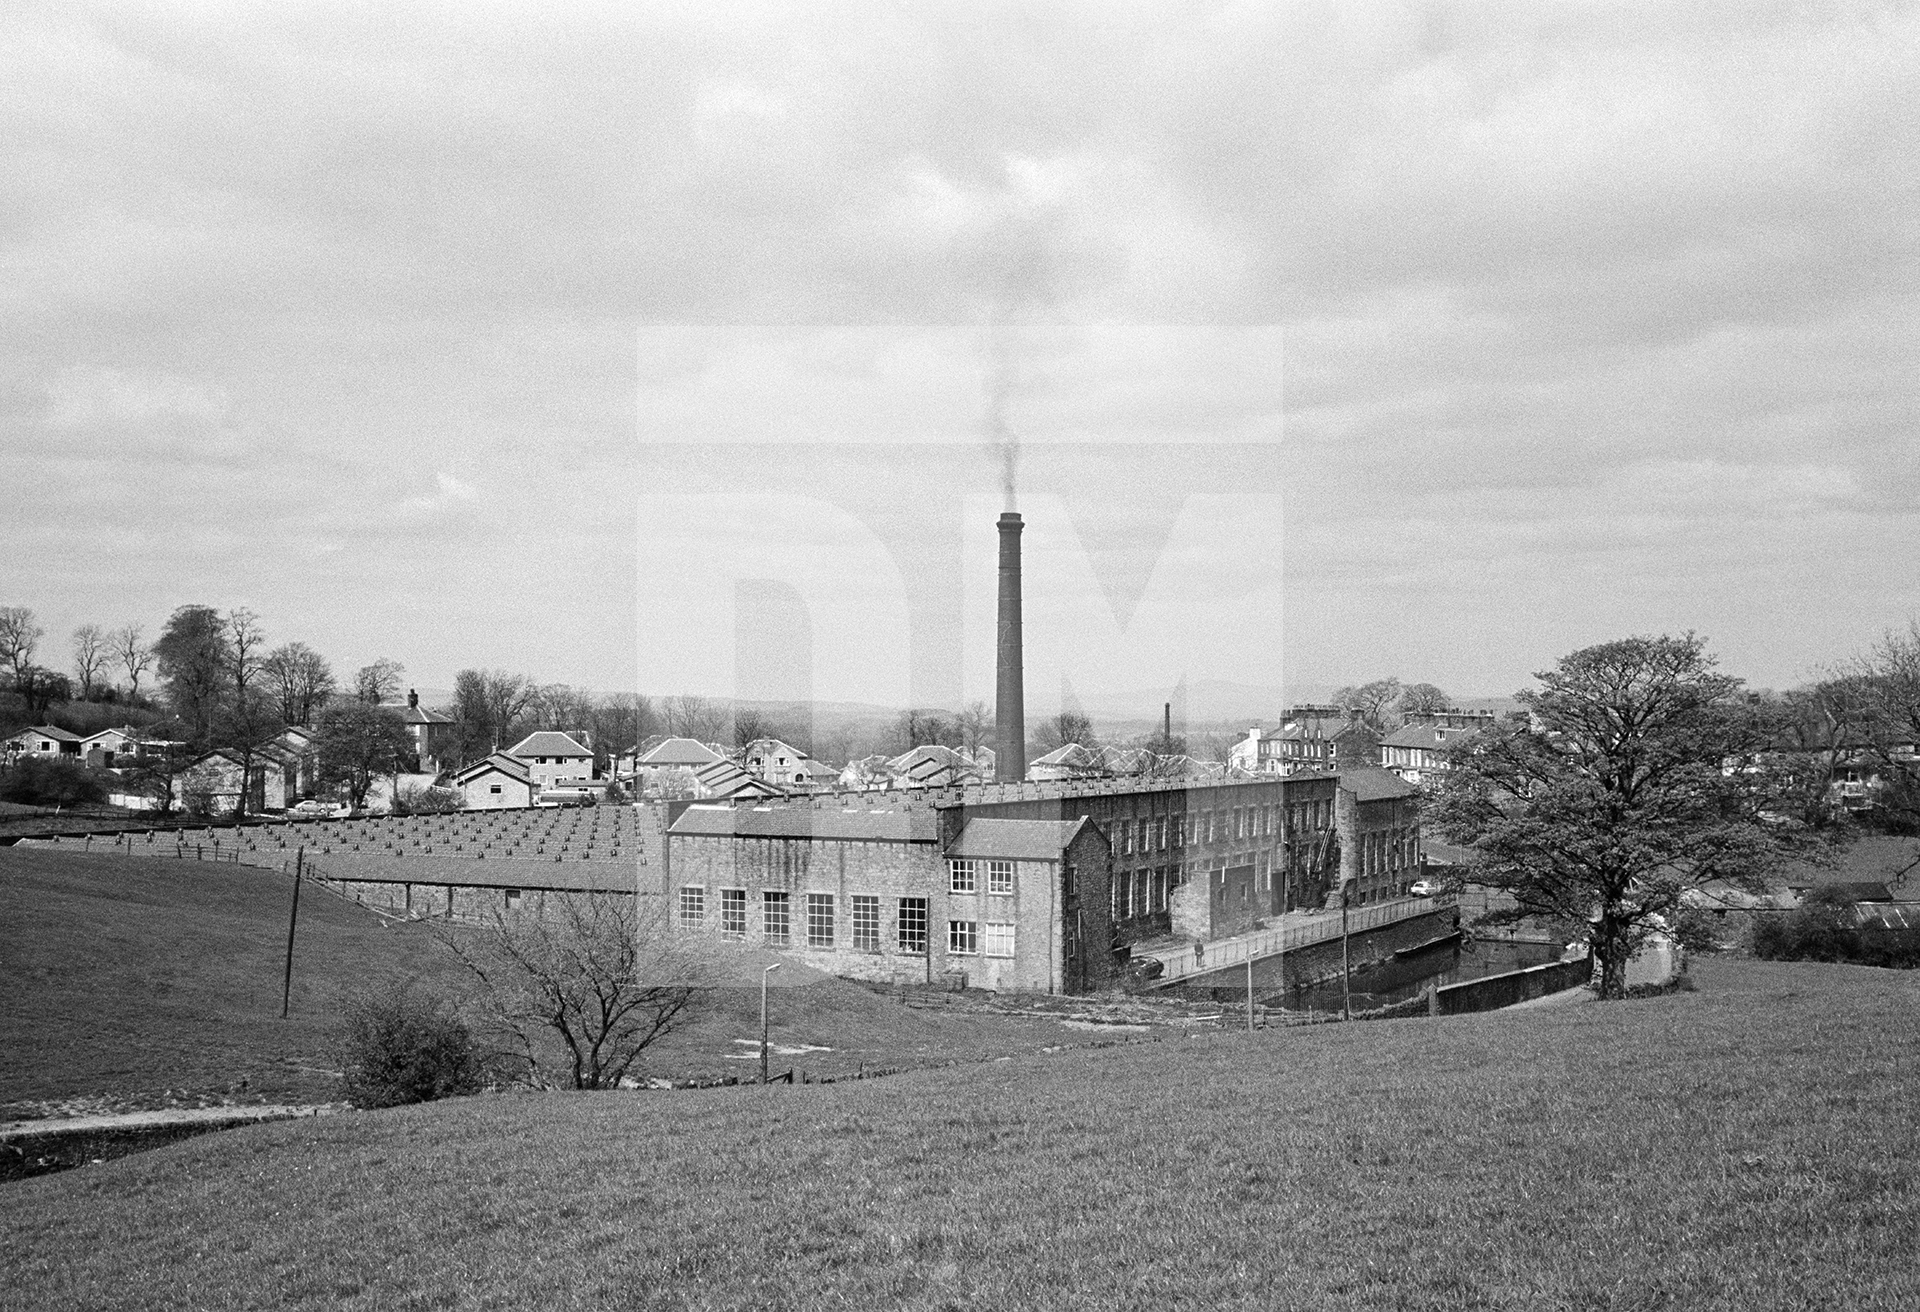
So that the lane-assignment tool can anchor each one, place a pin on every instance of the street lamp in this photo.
(763, 1019)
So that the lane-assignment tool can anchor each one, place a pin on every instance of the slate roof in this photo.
(547, 742)
(1015, 840)
(678, 751)
(511, 766)
(913, 825)
(723, 778)
(1369, 783)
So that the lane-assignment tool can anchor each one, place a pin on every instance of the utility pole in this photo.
(763, 1019)
(1346, 964)
(293, 919)
(1249, 995)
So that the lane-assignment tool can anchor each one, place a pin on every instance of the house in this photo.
(1377, 819)
(1419, 753)
(1309, 738)
(297, 747)
(433, 733)
(215, 783)
(552, 757)
(496, 783)
(777, 763)
(722, 777)
(931, 765)
(666, 767)
(111, 749)
(43, 741)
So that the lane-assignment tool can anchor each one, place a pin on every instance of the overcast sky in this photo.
(616, 345)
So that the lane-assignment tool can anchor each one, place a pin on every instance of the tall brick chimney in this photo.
(1010, 707)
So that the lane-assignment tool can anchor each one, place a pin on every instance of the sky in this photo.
(690, 348)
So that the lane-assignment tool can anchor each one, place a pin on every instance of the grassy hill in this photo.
(1752, 1145)
(140, 982)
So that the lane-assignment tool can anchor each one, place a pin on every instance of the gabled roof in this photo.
(1369, 783)
(678, 751)
(48, 731)
(1016, 840)
(723, 778)
(1429, 736)
(420, 715)
(511, 766)
(547, 742)
(1072, 755)
(916, 825)
(773, 747)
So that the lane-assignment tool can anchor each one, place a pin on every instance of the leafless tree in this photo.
(300, 678)
(574, 990)
(560, 706)
(90, 656)
(19, 635)
(378, 682)
(622, 721)
(1369, 701)
(130, 649)
(690, 716)
(1057, 731)
(975, 723)
(488, 706)
(1421, 698)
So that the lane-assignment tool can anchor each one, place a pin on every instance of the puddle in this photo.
(773, 1049)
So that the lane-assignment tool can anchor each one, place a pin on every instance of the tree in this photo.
(378, 682)
(301, 680)
(1419, 699)
(1057, 731)
(356, 743)
(690, 716)
(573, 994)
(1617, 797)
(160, 766)
(192, 656)
(39, 689)
(560, 706)
(130, 649)
(400, 1047)
(487, 705)
(1888, 682)
(1368, 701)
(749, 724)
(90, 656)
(19, 635)
(622, 722)
(975, 725)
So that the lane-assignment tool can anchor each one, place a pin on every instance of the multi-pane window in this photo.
(963, 937)
(1000, 877)
(963, 876)
(1146, 836)
(910, 926)
(866, 923)
(1124, 833)
(693, 906)
(819, 920)
(733, 911)
(999, 938)
(775, 916)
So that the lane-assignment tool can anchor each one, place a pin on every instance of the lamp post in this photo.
(763, 1019)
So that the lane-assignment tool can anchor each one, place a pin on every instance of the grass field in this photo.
(1755, 1144)
(132, 982)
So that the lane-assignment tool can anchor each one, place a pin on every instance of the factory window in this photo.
(962, 877)
(999, 939)
(819, 920)
(1117, 894)
(1000, 877)
(733, 912)
(1146, 836)
(693, 906)
(775, 922)
(911, 926)
(866, 923)
(1123, 836)
(963, 937)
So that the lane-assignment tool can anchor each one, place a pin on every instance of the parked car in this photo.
(314, 807)
(1423, 887)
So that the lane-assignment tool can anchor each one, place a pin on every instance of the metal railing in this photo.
(1184, 962)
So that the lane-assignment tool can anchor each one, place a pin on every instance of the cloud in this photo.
(449, 492)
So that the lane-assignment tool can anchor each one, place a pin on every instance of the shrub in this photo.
(428, 801)
(1830, 927)
(399, 1048)
(32, 782)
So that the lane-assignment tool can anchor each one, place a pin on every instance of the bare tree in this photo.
(1369, 701)
(975, 723)
(19, 635)
(560, 706)
(1421, 698)
(1057, 731)
(378, 682)
(574, 991)
(487, 707)
(130, 649)
(90, 656)
(750, 723)
(249, 718)
(300, 678)
(621, 722)
(689, 716)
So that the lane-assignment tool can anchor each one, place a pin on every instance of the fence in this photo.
(1202, 959)
(1496, 991)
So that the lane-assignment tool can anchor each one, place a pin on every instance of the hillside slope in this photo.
(1753, 1145)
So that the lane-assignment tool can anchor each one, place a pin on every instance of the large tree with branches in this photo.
(573, 989)
(1639, 774)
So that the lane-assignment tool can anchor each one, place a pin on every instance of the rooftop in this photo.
(909, 825)
(1015, 840)
(547, 742)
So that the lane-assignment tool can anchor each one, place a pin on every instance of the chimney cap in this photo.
(1009, 519)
